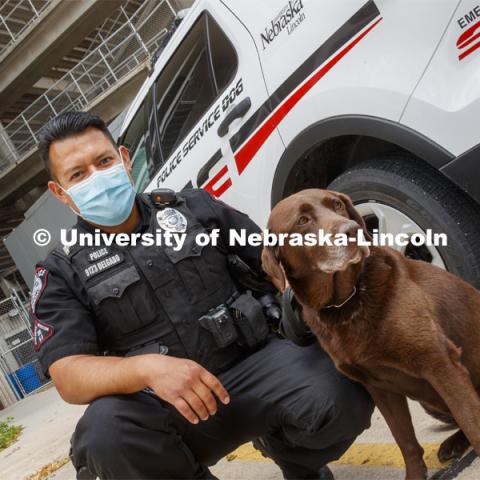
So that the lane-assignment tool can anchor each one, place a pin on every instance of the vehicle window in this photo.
(195, 76)
(223, 55)
(135, 139)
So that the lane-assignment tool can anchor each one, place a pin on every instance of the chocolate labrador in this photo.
(403, 328)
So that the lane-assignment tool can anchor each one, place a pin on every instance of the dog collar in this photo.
(344, 302)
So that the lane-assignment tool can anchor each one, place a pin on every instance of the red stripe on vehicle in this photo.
(244, 156)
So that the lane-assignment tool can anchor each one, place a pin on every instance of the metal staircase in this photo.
(16, 17)
(114, 60)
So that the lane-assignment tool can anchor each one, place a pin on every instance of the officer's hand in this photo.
(186, 385)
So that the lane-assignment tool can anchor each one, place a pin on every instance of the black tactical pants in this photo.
(304, 413)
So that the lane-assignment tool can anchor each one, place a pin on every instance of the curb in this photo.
(455, 468)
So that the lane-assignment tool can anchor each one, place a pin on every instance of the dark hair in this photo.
(66, 125)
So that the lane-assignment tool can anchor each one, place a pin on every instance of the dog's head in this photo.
(311, 211)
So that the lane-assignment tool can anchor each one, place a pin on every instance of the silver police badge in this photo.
(172, 220)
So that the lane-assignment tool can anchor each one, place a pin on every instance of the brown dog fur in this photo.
(409, 330)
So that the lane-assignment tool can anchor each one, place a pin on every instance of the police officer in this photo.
(174, 359)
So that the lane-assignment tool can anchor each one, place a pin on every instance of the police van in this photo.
(380, 99)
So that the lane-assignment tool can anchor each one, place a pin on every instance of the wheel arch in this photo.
(354, 137)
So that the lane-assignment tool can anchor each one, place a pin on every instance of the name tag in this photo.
(102, 265)
(98, 254)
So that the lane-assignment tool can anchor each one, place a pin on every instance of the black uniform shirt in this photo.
(63, 321)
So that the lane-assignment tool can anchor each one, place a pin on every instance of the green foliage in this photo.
(8, 433)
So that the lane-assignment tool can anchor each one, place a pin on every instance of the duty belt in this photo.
(161, 345)
(155, 346)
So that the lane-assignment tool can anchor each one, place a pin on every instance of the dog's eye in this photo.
(302, 220)
(338, 205)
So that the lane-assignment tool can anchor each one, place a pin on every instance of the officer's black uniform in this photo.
(135, 299)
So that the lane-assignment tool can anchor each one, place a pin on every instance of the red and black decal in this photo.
(469, 41)
(214, 186)
(256, 130)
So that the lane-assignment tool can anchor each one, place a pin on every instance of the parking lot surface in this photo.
(48, 423)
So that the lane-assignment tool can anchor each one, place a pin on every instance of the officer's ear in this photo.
(125, 156)
(273, 268)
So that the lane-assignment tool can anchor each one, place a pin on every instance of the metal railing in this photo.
(120, 54)
(19, 366)
(17, 16)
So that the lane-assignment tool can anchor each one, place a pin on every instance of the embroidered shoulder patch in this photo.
(39, 283)
(41, 332)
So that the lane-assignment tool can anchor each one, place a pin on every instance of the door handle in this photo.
(238, 111)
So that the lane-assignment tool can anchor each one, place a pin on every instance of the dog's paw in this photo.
(453, 447)
(417, 472)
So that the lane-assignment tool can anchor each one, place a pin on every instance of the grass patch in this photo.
(8, 433)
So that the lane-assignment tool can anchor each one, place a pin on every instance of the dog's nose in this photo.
(349, 228)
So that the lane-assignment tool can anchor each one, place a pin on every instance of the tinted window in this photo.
(192, 80)
(135, 139)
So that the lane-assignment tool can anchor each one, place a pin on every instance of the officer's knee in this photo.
(97, 433)
(352, 408)
(339, 411)
(115, 438)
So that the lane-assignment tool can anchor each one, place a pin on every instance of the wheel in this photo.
(401, 195)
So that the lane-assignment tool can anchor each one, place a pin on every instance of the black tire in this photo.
(428, 198)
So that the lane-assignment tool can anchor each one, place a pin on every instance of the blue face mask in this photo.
(105, 198)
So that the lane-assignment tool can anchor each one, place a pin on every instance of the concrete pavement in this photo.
(48, 423)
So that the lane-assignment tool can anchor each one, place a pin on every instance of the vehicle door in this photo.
(205, 100)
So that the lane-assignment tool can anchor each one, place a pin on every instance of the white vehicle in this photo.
(254, 100)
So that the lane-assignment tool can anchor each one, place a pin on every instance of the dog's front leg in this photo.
(394, 408)
(452, 381)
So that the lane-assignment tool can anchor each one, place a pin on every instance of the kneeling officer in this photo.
(174, 358)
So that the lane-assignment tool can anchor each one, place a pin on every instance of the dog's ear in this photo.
(353, 214)
(273, 268)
